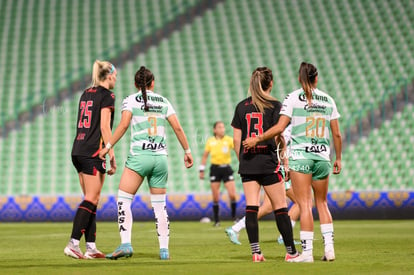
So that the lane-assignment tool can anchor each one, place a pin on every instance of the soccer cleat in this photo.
(164, 254)
(124, 250)
(329, 256)
(258, 258)
(73, 251)
(232, 235)
(94, 254)
(216, 224)
(299, 258)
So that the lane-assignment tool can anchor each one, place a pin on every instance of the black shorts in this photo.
(220, 173)
(89, 165)
(263, 180)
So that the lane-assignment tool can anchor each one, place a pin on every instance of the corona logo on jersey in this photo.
(302, 97)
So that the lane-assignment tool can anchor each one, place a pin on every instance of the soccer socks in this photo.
(239, 225)
(216, 212)
(252, 228)
(293, 225)
(233, 206)
(82, 219)
(306, 238)
(125, 216)
(90, 232)
(285, 229)
(327, 231)
(161, 219)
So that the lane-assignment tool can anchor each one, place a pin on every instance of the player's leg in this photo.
(301, 183)
(293, 211)
(275, 190)
(215, 191)
(265, 208)
(231, 190)
(90, 233)
(228, 179)
(252, 190)
(158, 189)
(86, 211)
(320, 189)
(128, 186)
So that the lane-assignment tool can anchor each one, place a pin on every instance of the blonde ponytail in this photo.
(100, 70)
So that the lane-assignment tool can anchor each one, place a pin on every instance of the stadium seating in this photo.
(383, 160)
(361, 48)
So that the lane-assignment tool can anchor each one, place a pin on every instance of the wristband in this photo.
(108, 146)
(201, 168)
(188, 151)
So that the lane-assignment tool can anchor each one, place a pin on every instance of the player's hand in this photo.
(112, 163)
(188, 160)
(337, 167)
(103, 153)
(250, 142)
(201, 175)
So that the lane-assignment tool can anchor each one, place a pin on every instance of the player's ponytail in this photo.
(100, 70)
(143, 79)
(259, 83)
(307, 77)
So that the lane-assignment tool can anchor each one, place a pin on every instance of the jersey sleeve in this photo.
(236, 122)
(170, 110)
(287, 106)
(335, 114)
(108, 100)
(126, 105)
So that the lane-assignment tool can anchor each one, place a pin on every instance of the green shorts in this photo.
(154, 167)
(319, 169)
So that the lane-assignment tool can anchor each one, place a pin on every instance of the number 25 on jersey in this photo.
(85, 114)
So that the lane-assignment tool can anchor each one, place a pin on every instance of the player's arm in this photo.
(337, 139)
(182, 138)
(203, 164)
(237, 133)
(275, 130)
(106, 132)
(119, 132)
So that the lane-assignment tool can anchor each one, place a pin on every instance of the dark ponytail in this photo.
(307, 77)
(143, 79)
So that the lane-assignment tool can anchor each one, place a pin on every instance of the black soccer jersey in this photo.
(88, 141)
(262, 159)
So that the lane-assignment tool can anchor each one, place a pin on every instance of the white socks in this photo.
(241, 224)
(161, 219)
(328, 236)
(125, 216)
(307, 242)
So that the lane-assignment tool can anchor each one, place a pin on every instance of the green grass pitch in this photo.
(362, 247)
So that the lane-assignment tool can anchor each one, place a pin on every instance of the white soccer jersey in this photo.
(148, 133)
(310, 135)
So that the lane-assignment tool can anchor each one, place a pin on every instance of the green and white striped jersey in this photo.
(310, 136)
(148, 133)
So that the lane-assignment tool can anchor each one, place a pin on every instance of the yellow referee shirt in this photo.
(219, 149)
